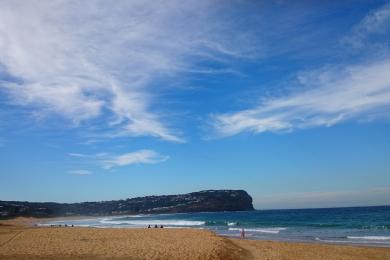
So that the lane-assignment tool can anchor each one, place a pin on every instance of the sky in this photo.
(288, 100)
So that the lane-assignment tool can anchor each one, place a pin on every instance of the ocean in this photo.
(354, 226)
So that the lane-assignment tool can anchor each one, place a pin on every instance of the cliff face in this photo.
(209, 200)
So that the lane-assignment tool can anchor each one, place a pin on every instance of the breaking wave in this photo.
(370, 237)
(275, 230)
(164, 222)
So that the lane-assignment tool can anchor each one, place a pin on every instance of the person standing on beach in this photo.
(242, 233)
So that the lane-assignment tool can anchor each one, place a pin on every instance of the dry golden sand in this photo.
(19, 240)
(94, 243)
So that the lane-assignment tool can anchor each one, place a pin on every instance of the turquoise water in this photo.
(358, 226)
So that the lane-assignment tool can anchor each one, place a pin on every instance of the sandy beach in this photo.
(19, 239)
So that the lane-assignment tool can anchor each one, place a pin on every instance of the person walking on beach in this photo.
(242, 233)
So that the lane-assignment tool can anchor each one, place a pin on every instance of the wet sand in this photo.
(262, 250)
(20, 240)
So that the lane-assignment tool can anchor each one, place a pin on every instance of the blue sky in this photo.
(289, 101)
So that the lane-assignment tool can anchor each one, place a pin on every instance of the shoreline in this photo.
(44, 222)
(20, 239)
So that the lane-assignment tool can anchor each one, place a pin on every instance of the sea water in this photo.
(357, 226)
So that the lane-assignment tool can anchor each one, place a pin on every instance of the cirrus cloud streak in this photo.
(109, 161)
(92, 60)
(334, 95)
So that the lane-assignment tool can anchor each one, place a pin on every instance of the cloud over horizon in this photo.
(318, 199)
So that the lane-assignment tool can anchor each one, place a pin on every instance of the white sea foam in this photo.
(164, 222)
(370, 237)
(43, 225)
(231, 223)
(358, 242)
(275, 230)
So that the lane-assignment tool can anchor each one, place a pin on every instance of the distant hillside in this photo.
(208, 200)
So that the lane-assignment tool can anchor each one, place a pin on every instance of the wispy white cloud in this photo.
(85, 60)
(109, 161)
(138, 157)
(377, 22)
(336, 93)
(80, 172)
(335, 96)
(78, 155)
